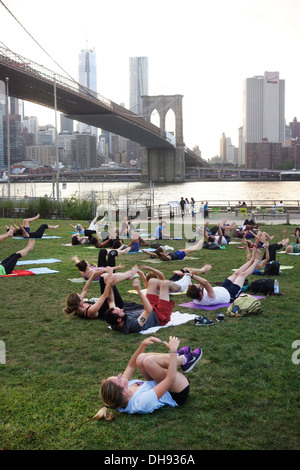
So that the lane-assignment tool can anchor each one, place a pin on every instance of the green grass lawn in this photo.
(244, 391)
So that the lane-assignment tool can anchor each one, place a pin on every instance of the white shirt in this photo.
(222, 297)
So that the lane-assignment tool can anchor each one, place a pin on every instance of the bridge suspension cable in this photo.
(86, 90)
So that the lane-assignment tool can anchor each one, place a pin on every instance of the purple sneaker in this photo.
(192, 359)
(184, 350)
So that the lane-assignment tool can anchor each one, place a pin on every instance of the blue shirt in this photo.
(158, 232)
(145, 400)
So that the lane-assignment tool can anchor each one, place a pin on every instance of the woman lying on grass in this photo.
(7, 265)
(164, 385)
(177, 255)
(86, 269)
(78, 306)
(24, 229)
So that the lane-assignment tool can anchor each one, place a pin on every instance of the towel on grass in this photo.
(79, 279)
(212, 307)
(21, 272)
(177, 318)
(18, 272)
(39, 261)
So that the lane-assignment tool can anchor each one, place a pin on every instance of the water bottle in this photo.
(276, 287)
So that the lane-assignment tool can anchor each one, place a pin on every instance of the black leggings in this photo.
(39, 232)
(10, 262)
(272, 251)
(102, 262)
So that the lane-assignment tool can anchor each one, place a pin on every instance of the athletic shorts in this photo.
(135, 247)
(233, 289)
(162, 308)
(182, 396)
(177, 255)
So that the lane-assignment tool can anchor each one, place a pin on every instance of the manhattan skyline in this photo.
(208, 50)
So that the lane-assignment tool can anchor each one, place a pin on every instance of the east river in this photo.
(162, 194)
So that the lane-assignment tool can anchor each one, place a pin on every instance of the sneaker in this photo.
(220, 317)
(184, 350)
(192, 359)
(202, 320)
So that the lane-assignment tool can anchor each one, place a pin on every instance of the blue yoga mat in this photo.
(39, 261)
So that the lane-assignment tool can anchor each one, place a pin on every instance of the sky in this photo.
(203, 50)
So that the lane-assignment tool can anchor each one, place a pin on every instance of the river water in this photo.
(213, 192)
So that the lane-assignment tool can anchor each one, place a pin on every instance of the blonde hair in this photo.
(72, 302)
(289, 249)
(151, 276)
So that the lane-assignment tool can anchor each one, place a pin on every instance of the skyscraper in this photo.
(263, 113)
(87, 70)
(87, 76)
(263, 117)
(138, 83)
(138, 79)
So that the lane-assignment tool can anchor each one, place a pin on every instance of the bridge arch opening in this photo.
(155, 118)
(170, 122)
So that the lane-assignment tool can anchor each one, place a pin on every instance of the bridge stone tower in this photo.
(164, 165)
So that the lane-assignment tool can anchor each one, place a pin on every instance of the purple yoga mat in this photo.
(212, 307)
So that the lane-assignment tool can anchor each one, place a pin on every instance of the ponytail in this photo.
(105, 414)
(72, 302)
(112, 396)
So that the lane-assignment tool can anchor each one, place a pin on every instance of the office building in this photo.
(263, 110)
(138, 83)
(87, 76)
(66, 124)
(263, 113)
(32, 126)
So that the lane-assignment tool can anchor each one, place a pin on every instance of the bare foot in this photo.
(205, 269)
(133, 271)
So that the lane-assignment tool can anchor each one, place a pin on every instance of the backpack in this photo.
(243, 306)
(272, 268)
(263, 286)
(211, 246)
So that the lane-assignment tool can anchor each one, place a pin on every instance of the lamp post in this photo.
(8, 139)
(56, 142)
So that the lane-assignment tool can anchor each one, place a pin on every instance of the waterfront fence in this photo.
(96, 203)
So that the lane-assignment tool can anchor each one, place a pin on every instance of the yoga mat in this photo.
(144, 291)
(288, 253)
(211, 307)
(28, 238)
(39, 261)
(43, 271)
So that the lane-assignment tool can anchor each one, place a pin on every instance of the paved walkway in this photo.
(291, 218)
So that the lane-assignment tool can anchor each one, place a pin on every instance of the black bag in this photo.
(211, 246)
(262, 286)
(272, 268)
